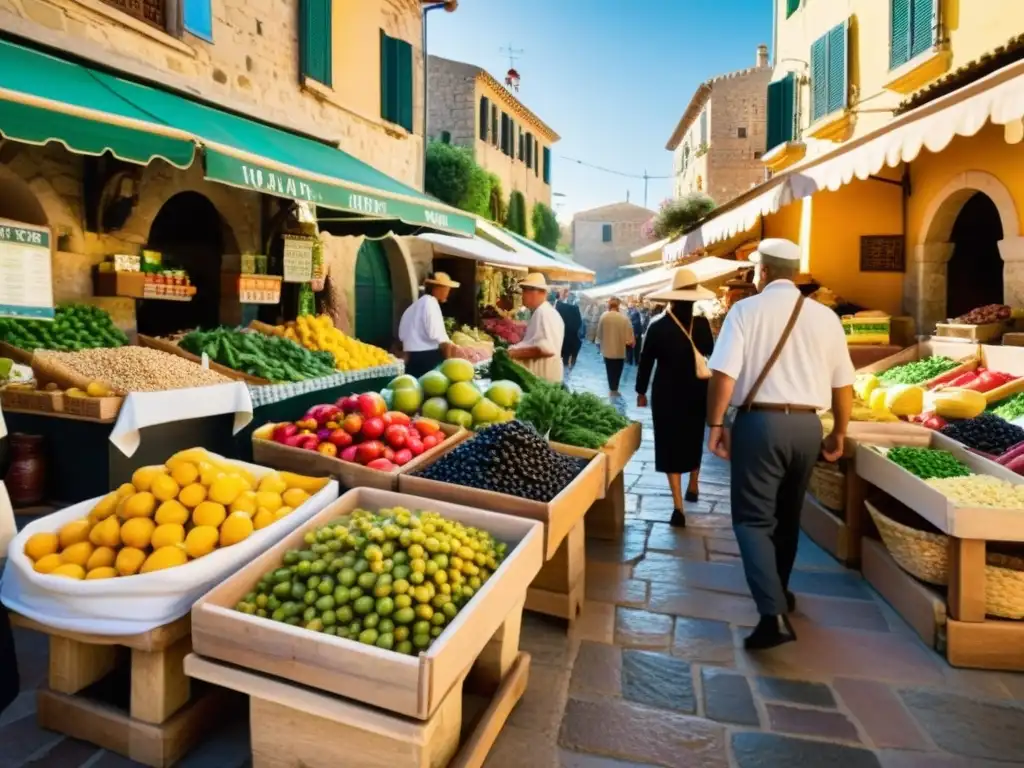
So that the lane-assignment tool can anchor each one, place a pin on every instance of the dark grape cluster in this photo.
(508, 458)
(987, 433)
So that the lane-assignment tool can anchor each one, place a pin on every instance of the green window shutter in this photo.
(780, 112)
(924, 25)
(787, 127)
(529, 150)
(504, 133)
(838, 68)
(791, 7)
(485, 117)
(494, 124)
(403, 55)
(606, 233)
(819, 78)
(315, 40)
(388, 80)
(547, 165)
(899, 32)
(522, 146)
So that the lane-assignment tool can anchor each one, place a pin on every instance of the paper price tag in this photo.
(206, 361)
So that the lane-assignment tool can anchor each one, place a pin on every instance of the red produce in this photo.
(431, 441)
(396, 417)
(294, 440)
(426, 426)
(309, 443)
(349, 454)
(323, 414)
(373, 428)
(284, 431)
(368, 451)
(340, 438)
(352, 423)
(372, 404)
(1011, 453)
(934, 422)
(323, 434)
(1016, 465)
(963, 379)
(403, 456)
(388, 454)
(381, 464)
(415, 445)
(396, 435)
(349, 403)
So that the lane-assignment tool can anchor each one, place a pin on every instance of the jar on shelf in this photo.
(26, 476)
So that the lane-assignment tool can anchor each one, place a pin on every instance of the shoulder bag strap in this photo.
(774, 357)
(687, 335)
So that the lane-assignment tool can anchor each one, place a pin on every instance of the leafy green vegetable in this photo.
(269, 357)
(504, 367)
(928, 463)
(918, 371)
(74, 327)
(1010, 409)
(575, 418)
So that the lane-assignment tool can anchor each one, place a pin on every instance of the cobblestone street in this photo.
(654, 673)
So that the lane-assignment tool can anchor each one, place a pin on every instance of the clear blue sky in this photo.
(611, 77)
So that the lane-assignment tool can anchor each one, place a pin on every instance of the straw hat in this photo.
(442, 279)
(775, 248)
(685, 287)
(534, 280)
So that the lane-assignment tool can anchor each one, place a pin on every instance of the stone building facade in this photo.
(603, 238)
(251, 66)
(717, 145)
(458, 93)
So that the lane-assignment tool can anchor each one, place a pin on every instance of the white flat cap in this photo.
(776, 248)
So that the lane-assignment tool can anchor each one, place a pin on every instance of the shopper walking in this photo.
(540, 349)
(637, 320)
(778, 360)
(9, 682)
(425, 342)
(572, 319)
(679, 343)
(614, 337)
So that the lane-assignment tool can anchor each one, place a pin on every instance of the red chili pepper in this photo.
(963, 379)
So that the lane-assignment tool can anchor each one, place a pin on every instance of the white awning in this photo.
(648, 253)
(550, 266)
(481, 250)
(710, 271)
(997, 98)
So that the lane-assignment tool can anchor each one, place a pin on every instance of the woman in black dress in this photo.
(678, 397)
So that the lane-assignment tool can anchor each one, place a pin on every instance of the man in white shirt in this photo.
(779, 358)
(541, 348)
(421, 330)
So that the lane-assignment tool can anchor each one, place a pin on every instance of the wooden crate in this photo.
(976, 333)
(1003, 359)
(163, 720)
(965, 353)
(295, 727)
(405, 685)
(172, 348)
(37, 401)
(99, 408)
(349, 474)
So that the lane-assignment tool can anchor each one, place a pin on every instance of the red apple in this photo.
(381, 464)
(372, 404)
(309, 443)
(396, 435)
(349, 403)
(340, 438)
(415, 445)
(368, 451)
(294, 440)
(352, 423)
(349, 454)
(403, 456)
(283, 431)
(389, 453)
(373, 428)
(427, 426)
(431, 441)
(396, 417)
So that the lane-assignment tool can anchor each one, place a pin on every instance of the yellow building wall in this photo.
(785, 223)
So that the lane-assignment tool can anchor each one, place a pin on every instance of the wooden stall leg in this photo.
(559, 588)
(75, 665)
(855, 514)
(966, 579)
(606, 517)
(159, 684)
(498, 656)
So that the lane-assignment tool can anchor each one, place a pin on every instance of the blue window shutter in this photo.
(838, 87)
(537, 158)
(899, 32)
(924, 25)
(198, 18)
(606, 233)
(315, 40)
(485, 117)
(791, 7)
(819, 77)
(547, 165)
(403, 60)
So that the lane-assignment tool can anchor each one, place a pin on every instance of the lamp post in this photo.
(448, 5)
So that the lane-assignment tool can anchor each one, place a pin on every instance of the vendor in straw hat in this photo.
(421, 330)
(541, 348)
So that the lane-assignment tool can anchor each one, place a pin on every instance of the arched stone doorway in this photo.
(974, 276)
(374, 297)
(928, 280)
(190, 234)
(17, 201)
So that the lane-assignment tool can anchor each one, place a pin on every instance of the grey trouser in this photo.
(772, 458)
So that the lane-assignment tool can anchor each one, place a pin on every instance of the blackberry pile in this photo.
(986, 433)
(508, 458)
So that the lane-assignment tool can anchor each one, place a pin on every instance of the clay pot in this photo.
(26, 477)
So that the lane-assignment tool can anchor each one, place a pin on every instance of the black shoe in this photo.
(790, 601)
(691, 496)
(770, 632)
(678, 520)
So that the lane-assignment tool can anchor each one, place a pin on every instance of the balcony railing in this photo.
(152, 12)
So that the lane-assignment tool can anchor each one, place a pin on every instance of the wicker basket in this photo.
(828, 486)
(925, 556)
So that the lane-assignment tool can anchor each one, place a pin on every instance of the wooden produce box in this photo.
(38, 401)
(1014, 339)
(407, 685)
(1003, 360)
(559, 515)
(966, 354)
(976, 333)
(173, 349)
(98, 408)
(124, 284)
(349, 474)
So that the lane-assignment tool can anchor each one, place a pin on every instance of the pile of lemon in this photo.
(168, 515)
(319, 334)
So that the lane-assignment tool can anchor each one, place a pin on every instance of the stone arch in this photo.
(945, 206)
(17, 200)
(35, 201)
(404, 283)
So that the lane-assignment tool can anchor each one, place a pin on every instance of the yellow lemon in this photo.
(105, 507)
(143, 477)
(97, 389)
(192, 495)
(102, 557)
(125, 490)
(164, 488)
(208, 473)
(105, 572)
(171, 511)
(74, 532)
(167, 535)
(137, 532)
(262, 518)
(294, 497)
(184, 473)
(273, 483)
(283, 512)
(165, 557)
(106, 533)
(129, 560)
(246, 502)
(69, 571)
(238, 527)
(39, 545)
(142, 504)
(225, 490)
(201, 540)
(47, 563)
(209, 513)
(78, 554)
(269, 501)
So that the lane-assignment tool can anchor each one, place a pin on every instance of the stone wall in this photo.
(734, 163)
(451, 105)
(605, 258)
